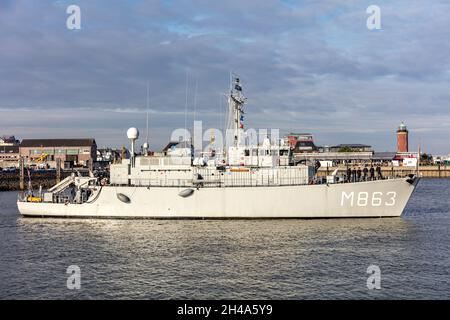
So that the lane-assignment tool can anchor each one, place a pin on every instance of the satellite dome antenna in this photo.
(133, 135)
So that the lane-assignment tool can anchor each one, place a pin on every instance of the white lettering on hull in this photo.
(364, 199)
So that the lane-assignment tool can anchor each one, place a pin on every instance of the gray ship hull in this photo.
(383, 198)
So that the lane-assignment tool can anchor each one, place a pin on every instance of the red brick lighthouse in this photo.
(402, 138)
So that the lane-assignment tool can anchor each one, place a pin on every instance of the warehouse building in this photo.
(71, 152)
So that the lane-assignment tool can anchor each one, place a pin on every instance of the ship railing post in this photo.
(392, 170)
(91, 167)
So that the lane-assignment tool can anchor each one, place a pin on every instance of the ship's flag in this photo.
(242, 117)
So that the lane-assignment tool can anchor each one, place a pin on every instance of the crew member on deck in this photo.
(379, 175)
(365, 171)
(353, 175)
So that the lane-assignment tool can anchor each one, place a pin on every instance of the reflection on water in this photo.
(200, 259)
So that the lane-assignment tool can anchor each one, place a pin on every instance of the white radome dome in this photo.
(145, 146)
(133, 133)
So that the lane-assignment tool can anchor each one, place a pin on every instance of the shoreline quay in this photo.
(10, 181)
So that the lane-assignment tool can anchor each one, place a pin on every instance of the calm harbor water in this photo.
(235, 259)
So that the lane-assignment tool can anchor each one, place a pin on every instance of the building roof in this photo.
(352, 145)
(109, 150)
(299, 134)
(333, 155)
(57, 143)
(9, 140)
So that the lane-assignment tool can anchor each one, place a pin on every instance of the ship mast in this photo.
(236, 102)
(148, 102)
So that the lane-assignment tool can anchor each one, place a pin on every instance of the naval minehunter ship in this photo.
(251, 181)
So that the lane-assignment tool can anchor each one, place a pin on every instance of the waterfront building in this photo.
(306, 151)
(336, 157)
(302, 142)
(441, 160)
(384, 157)
(78, 152)
(9, 156)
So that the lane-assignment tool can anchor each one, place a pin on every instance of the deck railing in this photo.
(205, 177)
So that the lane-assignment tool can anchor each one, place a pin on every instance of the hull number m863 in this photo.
(364, 198)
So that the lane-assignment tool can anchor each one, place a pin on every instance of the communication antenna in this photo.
(185, 107)
(148, 104)
(146, 143)
(195, 113)
(195, 98)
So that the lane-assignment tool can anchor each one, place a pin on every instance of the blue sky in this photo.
(309, 66)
